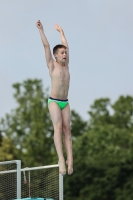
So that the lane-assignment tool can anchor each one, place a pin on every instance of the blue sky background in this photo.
(100, 37)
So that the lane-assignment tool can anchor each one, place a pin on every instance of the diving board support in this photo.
(60, 186)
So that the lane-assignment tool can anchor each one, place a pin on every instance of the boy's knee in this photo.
(66, 128)
(58, 127)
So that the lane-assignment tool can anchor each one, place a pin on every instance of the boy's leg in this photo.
(56, 116)
(67, 137)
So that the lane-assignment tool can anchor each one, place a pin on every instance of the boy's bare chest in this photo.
(61, 73)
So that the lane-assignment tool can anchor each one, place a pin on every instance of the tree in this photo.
(103, 151)
(99, 113)
(78, 125)
(103, 156)
(7, 149)
(123, 112)
(29, 125)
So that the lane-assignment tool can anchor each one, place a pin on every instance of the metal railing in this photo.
(19, 172)
(7, 165)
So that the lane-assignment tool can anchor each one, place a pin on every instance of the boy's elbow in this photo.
(46, 45)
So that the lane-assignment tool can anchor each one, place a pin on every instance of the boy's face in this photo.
(61, 55)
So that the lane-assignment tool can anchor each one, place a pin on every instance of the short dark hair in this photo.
(59, 46)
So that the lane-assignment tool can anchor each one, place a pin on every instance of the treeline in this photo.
(102, 146)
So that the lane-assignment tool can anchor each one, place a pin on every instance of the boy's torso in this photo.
(60, 78)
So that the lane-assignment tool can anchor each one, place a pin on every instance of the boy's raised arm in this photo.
(48, 55)
(63, 39)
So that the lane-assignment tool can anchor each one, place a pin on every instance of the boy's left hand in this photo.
(58, 28)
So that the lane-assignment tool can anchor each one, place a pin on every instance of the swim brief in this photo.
(61, 103)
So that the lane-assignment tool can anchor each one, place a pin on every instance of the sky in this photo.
(100, 38)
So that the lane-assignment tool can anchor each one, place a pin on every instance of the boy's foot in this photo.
(70, 167)
(62, 167)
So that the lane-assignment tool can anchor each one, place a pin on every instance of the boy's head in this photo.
(60, 52)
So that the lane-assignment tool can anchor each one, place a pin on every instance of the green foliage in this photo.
(122, 113)
(29, 125)
(99, 113)
(78, 125)
(103, 156)
(123, 117)
(7, 149)
(102, 147)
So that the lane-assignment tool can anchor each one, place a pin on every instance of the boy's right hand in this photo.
(39, 25)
